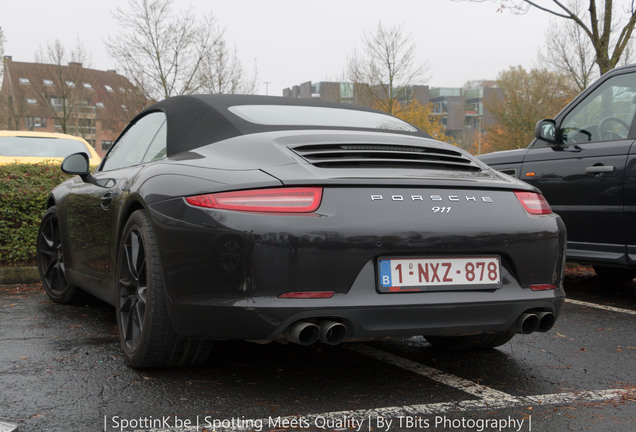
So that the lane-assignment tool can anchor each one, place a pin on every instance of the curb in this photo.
(8, 427)
(18, 275)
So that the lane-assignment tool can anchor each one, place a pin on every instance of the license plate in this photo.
(438, 274)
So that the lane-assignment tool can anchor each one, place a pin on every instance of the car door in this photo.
(630, 205)
(583, 175)
(93, 207)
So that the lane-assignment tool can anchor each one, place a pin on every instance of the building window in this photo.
(83, 127)
(48, 82)
(24, 81)
(87, 85)
(315, 91)
(86, 126)
(70, 84)
(346, 92)
(32, 101)
(106, 145)
(35, 122)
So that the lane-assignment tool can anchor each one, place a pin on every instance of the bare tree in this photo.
(161, 52)
(13, 108)
(223, 73)
(569, 51)
(2, 40)
(3, 100)
(167, 54)
(609, 28)
(59, 84)
(384, 71)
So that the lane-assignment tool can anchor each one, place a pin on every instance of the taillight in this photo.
(542, 287)
(534, 203)
(279, 200)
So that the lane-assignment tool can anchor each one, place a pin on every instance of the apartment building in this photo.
(347, 93)
(463, 112)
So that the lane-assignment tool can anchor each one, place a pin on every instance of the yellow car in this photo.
(37, 147)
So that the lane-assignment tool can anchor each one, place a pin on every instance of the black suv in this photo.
(584, 162)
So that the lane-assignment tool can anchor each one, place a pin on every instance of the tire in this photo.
(470, 342)
(615, 274)
(145, 332)
(50, 259)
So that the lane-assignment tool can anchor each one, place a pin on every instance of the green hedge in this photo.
(24, 189)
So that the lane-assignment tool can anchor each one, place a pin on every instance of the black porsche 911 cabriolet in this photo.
(272, 219)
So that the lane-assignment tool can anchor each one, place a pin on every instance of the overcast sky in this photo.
(294, 41)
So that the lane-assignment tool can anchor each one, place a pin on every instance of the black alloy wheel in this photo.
(50, 259)
(145, 332)
(133, 288)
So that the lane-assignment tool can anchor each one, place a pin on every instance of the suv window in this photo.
(606, 114)
(144, 141)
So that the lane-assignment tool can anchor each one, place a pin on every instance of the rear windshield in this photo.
(19, 146)
(289, 115)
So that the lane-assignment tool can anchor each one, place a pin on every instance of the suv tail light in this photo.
(278, 200)
(534, 203)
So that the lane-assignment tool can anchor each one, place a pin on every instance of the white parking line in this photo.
(370, 419)
(378, 418)
(8, 427)
(412, 411)
(600, 306)
(464, 385)
(487, 398)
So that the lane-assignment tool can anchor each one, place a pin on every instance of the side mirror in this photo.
(76, 164)
(545, 130)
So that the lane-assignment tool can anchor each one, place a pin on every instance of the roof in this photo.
(198, 120)
(39, 134)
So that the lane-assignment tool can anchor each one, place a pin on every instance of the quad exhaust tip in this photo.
(303, 333)
(332, 332)
(527, 323)
(307, 333)
(546, 321)
(530, 322)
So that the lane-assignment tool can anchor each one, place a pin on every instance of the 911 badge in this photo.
(441, 210)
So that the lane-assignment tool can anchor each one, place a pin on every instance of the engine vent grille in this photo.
(384, 156)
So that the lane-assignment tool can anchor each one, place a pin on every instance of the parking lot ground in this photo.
(61, 370)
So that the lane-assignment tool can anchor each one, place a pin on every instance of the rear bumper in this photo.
(224, 271)
(365, 312)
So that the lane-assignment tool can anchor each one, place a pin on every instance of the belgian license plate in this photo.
(438, 274)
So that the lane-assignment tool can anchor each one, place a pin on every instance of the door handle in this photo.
(107, 200)
(599, 169)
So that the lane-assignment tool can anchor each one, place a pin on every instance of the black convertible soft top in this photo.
(198, 120)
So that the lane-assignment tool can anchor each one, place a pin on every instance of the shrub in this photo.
(24, 189)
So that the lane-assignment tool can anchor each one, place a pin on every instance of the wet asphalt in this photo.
(61, 370)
